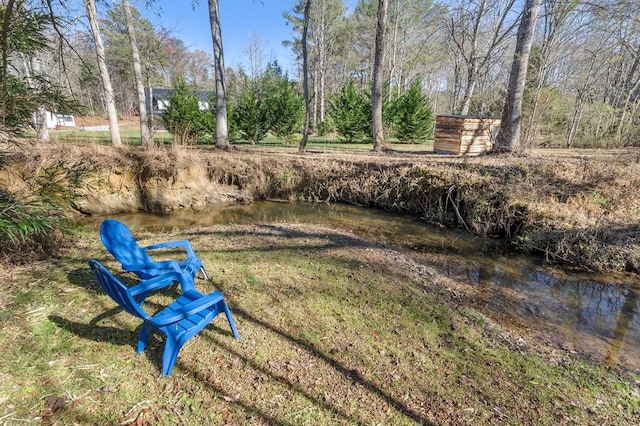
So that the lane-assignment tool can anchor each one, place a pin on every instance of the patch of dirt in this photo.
(125, 123)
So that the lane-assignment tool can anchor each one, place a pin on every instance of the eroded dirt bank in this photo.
(581, 208)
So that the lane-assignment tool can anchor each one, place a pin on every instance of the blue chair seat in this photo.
(180, 321)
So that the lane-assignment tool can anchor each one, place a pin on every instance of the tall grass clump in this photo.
(24, 225)
(33, 204)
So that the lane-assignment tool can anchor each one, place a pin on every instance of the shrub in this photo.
(325, 127)
(251, 117)
(286, 111)
(350, 112)
(30, 216)
(183, 117)
(206, 122)
(410, 115)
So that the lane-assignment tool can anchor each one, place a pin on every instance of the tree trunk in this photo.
(222, 136)
(146, 132)
(4, 67)
(323, 62)
(109, 99)
(509, 137)
(469, 89)
(376, 99)
(305, 78)
(42, 131)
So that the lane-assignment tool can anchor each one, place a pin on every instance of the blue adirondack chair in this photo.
(180, 321)
(119, 241)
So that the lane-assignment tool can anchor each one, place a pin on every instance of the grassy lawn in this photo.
(334, 330)
(131, 137)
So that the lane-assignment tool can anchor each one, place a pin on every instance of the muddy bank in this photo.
(581, 208)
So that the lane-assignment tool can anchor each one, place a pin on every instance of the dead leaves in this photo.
(139, 415)
(52, 405)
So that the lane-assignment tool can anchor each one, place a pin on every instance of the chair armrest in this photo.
(186, 282)
(155, 283)
(172, 315)
(165, 264)
(170, 244)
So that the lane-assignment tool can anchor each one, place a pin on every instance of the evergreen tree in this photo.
(23, 35)
(286, 111)
(350, 112)
(251, 117)
(29, 217)
(411, 116)
(182, 117)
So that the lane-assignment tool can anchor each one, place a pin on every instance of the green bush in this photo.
(23, 222)
(206, 123)
(350, 112)
(286, 111)
(183, 117)
(232, 127)
(325, 127)
(251, 117)
(411, 116)
(30, 218)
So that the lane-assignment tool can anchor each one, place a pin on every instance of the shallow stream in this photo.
(596, 316)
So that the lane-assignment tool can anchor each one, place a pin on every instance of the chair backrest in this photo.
(116, 290)
(119, 241)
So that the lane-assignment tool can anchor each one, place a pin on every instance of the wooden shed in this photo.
(465, 134)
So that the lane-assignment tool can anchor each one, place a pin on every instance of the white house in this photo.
(56, 120)
(158, 101)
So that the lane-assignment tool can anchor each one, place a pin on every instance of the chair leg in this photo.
(171, 350)
(145, 332)
(205, 276)
(232, 324)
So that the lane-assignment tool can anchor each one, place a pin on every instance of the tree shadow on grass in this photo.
(84, 278)
(99, 333)
(352, 375)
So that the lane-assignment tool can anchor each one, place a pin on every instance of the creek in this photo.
(594, 316)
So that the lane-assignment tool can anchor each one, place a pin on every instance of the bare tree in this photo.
(222, 136)
(477, 29)
(509, 137)
(557, 31)
(90, 6)
(254, 50)
(376, 98)
(31, 66)
(145, 124)
(325, 34)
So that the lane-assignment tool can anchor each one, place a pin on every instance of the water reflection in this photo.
(595, 316)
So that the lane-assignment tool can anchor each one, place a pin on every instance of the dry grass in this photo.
(576, 207)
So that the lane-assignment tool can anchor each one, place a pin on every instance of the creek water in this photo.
(595, 316)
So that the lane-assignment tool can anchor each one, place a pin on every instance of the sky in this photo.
(239, 20)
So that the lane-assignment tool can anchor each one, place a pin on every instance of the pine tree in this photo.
(182, 116)
(251, 117)
(286, 111)
(350, 112)
(411, 115)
